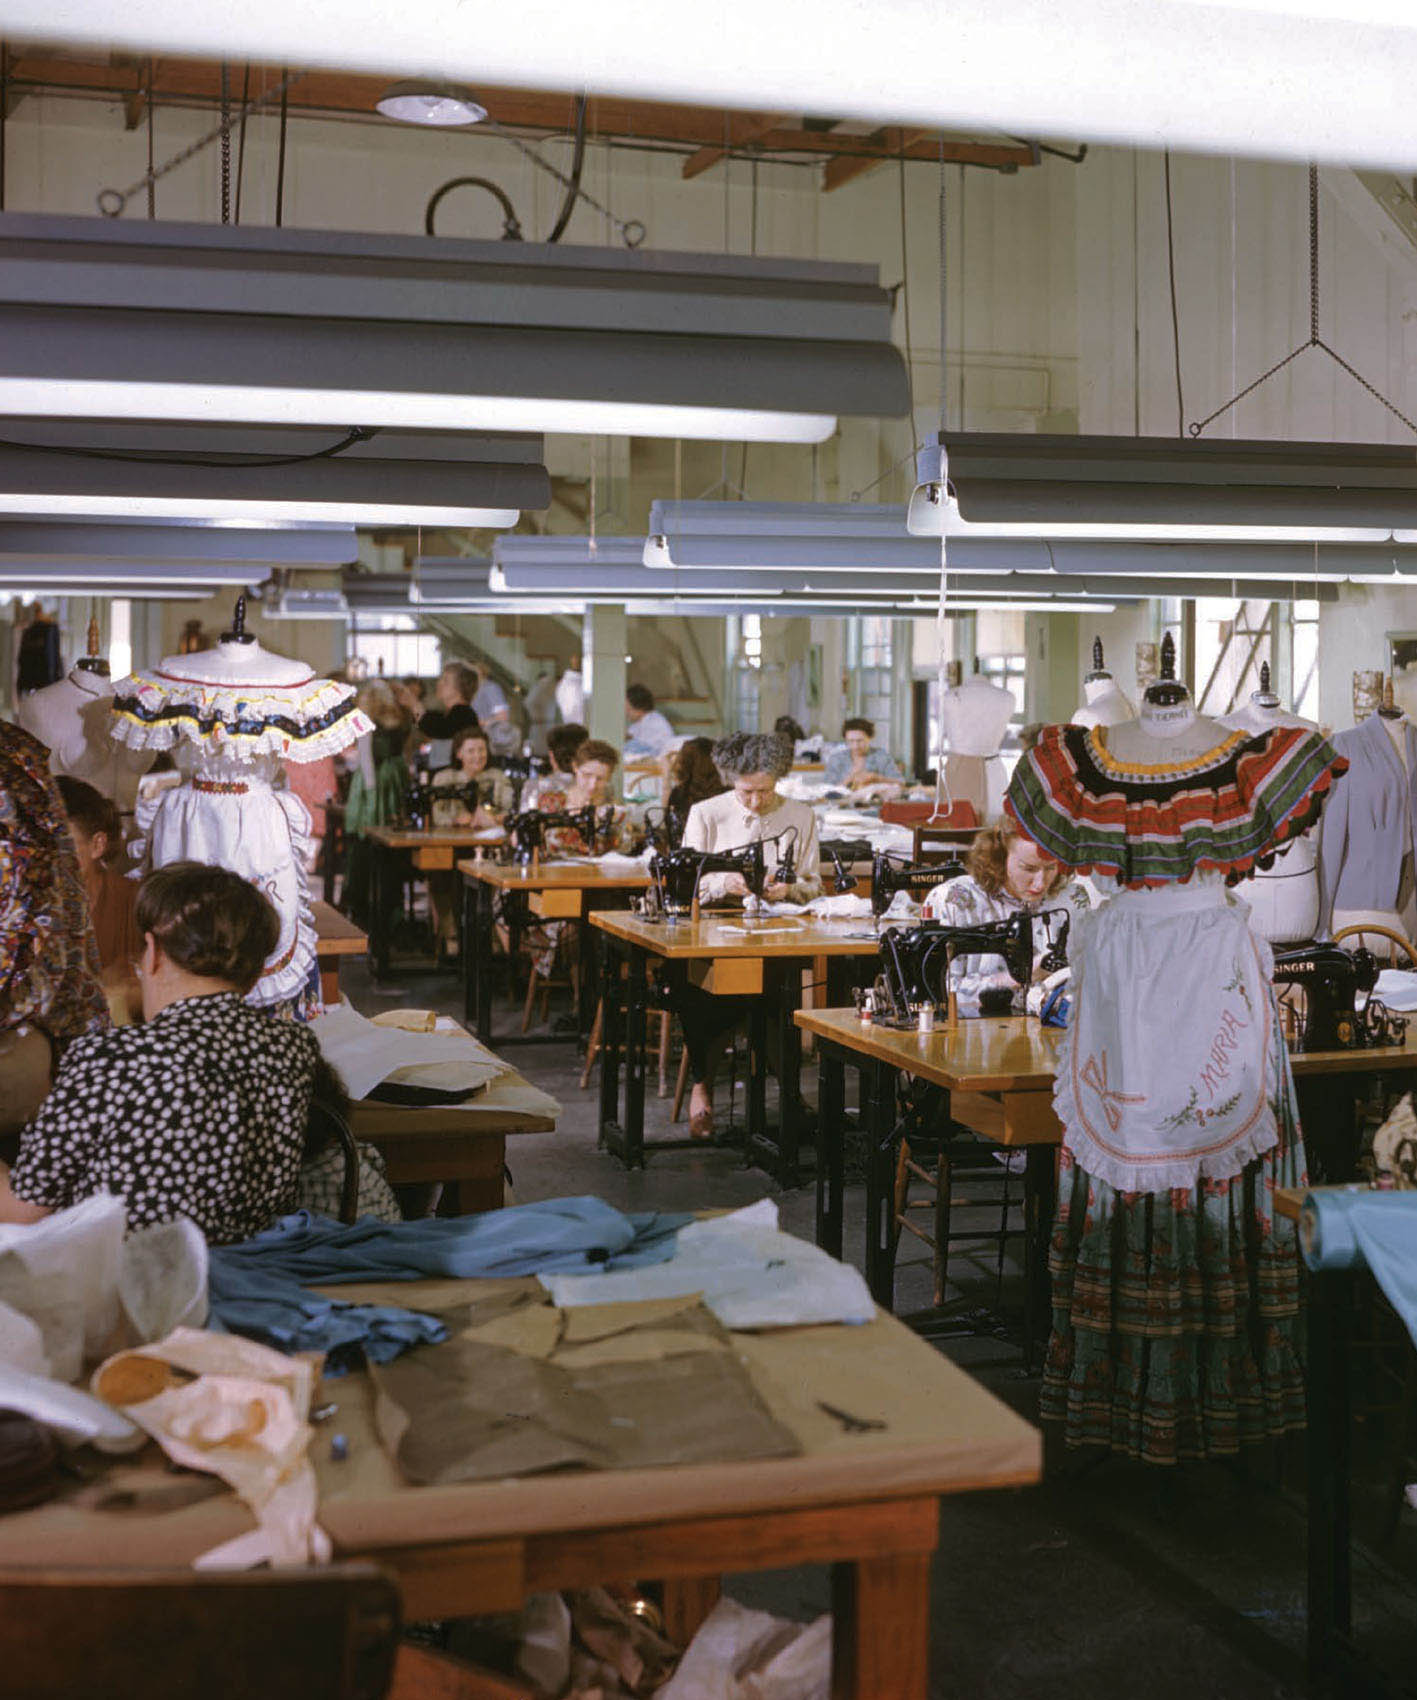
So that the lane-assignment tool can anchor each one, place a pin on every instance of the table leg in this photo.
(687, 1602)
(612, 1016)
(636, 998)
(1328, 1115)
(757, 1106)
(831, 1144)
(378, 909)
(881, 1628)
(1040, 1199)
(586, 971)
(1329, 1453)
(878, 1088)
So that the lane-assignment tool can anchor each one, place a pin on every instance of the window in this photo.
(1000, 641)
(870, 670)
(392, 645)
(744, 638)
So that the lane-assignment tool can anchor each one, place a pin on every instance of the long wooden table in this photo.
(998, 1072)
(727, 956)
(336, 937)
(865, 1503)
(553, 891)
(433, 851)
(464, 1148)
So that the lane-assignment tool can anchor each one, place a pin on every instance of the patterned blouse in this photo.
(983, 984)
(49, 968)
(200, 1112)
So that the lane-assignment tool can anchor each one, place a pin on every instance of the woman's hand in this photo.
(777, 893)
(734, 885)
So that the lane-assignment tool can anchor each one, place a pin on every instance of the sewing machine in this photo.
(916, 961)
(527, 830)
(519, 771)
(1328, 1017)
(664, 828)
(841, 853)
(677, 874)
(891, 872)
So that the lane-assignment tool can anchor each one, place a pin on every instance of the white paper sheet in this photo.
(365, 1053)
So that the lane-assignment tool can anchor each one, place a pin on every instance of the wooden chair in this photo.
(320, 1634)
(1400, 951)
(666, 1022)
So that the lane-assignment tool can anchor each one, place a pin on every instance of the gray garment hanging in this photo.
(1370, 822)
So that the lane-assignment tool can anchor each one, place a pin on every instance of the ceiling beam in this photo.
(843, 167)
(738, 133)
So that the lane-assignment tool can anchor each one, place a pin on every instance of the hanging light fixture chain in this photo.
(632, 230)
(112, 202)
(226, 144)
(1315, 340)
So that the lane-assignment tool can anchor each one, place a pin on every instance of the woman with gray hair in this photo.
(750, 763)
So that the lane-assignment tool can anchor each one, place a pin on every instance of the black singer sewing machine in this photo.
(520, 771)
(1329, 1016)
(527, 830)
(677, 874)
(891, 872)
(842, 853)
(915, 961)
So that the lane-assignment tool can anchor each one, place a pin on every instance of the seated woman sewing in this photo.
(472, 756)
(201, 1111)
(1006, 875)
(749, 812)
(592, 768)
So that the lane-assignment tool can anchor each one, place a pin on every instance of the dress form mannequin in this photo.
(1285, 900)
(1104, 702)
(976, 715)
(232, 717)
(72, 717)
(1167, 727)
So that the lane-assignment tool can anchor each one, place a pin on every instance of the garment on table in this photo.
(49, 966)
(982, 984)
(1368, 831)
(200, 1112)
(320, 1187)
(74, 719)
(1175, 1289)
(722, 823)
(1372, 1230)
(258, 1287)
(839, 762)
(648, 737)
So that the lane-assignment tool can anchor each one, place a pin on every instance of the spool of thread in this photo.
(925, 1017)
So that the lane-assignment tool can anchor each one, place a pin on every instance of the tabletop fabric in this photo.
(258, 1287)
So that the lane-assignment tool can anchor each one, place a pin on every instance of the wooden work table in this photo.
(727, 956)
(435, 850)
(336, 937)
(554, 890)
(998, 1072)
(864, 1502)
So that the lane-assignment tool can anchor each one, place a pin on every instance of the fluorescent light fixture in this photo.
(445, 106)
(116, 578)
(210, 323)
(1149, 489)
(296, 603)
(61, 542)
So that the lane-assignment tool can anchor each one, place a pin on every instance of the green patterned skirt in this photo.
(1176, 1328)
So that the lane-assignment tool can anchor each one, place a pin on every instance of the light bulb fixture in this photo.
(444, 106)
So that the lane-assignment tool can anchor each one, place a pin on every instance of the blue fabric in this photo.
(1342, 1230)
(257, 1287)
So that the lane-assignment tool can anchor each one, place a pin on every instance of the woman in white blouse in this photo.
(1007, 874)
(750, 763)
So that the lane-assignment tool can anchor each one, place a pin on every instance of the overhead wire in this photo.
(1175, 308)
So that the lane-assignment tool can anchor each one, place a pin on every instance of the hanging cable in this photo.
(573, 188)
(632, 230)
(944, 802)
(152, 186)
(357, 434)
(511, 225)
(280, 149)
(1175, 310)
(241, 137)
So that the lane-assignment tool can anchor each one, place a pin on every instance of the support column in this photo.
(1053, 684)
(603, 664)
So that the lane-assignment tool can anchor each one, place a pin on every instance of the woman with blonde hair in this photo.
(1006, 874)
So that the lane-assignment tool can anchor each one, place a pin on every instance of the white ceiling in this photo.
(1327, 79)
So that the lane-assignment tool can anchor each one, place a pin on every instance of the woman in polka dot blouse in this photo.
(201, 1111)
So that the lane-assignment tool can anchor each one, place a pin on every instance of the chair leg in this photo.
(681, 1085)
(592, 1050)
(530, 999)
(900, 1197)
(944, 1179)
(665, 1021)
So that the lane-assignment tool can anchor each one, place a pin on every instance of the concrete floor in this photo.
(1109, 1580)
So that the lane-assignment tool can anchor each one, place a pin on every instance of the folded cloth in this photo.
(257, 1287)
